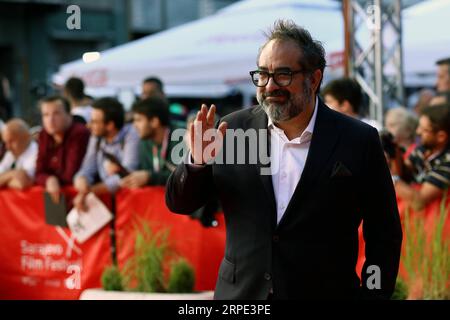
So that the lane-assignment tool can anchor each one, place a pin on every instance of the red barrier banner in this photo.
(429, 218)
(41, 261)
(202, 247)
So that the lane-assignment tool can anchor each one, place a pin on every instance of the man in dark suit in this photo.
(293, 233)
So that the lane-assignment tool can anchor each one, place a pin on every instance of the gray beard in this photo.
(295, 104)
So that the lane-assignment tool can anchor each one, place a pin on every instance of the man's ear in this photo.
(346, 107)
(442, 137)
(316, 78)
(154, 122)
(110, 125)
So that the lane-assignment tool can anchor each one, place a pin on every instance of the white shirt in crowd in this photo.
(287, 159)
(82, 111)
(26, 161)
(373, 123)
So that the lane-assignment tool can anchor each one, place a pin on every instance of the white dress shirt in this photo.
(287, 158)
(26, 161)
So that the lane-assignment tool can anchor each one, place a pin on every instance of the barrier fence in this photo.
(41, 261)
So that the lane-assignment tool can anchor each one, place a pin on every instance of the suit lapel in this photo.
(260, 121)
(324, 139)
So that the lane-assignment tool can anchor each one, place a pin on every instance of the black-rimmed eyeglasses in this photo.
(281, 78)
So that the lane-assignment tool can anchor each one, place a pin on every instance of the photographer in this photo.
(402, 125)
(429, 164)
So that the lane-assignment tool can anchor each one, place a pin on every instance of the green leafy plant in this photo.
(145, 271)
(146, 266)
(400, 291)
(112, 279)
(182, 277)
(427, 260)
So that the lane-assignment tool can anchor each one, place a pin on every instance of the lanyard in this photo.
(156, 164)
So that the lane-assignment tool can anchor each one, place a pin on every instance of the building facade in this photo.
(35, 37)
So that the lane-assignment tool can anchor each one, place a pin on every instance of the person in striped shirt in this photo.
(429, 164)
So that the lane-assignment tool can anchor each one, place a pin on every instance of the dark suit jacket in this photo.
(313, 251)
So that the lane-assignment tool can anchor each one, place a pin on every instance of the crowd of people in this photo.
(94, 145)
(97, 147)
(416, 140)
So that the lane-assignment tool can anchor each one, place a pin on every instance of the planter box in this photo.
(99, 294)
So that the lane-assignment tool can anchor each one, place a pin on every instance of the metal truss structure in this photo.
(373, 55)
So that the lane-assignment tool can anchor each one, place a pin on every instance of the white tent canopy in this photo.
(425, 40)
(210, 56)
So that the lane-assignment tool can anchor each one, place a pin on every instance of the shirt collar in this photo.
(120, 136)
(307, 133)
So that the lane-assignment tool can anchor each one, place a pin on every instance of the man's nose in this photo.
(272, 85)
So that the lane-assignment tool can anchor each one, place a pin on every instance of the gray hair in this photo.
(17, 125)
(405, 124)
(313, 53)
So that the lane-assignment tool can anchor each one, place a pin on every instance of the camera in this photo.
(388, 144)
